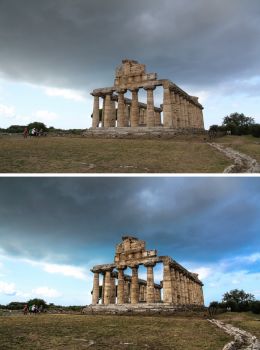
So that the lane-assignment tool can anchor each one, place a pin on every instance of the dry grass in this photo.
(245, 144)
(81, 155)
(244, 320)
(108, 332)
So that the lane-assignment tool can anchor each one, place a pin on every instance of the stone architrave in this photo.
(107, 292)
(108, 111)
(134, 291)
(121, 122)
(150, 295)
(167, 108)
(134, 112)
(167, 283)
(95, 293)
(120, 286)
(95, 116)
(150, 120)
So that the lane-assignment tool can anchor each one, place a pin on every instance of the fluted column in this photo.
(150, 107)
(127, 115)
(201, 295)
(108, 111)
(120, 286)
(107, 292)
(95, 115)
(174, 286)
(95, 292)
(103, 111)
(186, 290)
(178, 110)
(186, 116)
(150, 297)
(134, 112)
(167, 284)
(134, 292)
(113, 114)
(167, 108)
(158, 121)
(178, 287)
(103, 288)
(174, 110)
(121, 109)
(113, 290)
(126, 291)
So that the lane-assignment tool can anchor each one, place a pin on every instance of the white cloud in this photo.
(203, 272)
(7, 111)
(66, 270)
(7, 288)
(45, 116)
(46, 292)
(65, 93)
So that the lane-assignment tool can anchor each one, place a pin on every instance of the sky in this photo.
(55, 229)
(55, 52)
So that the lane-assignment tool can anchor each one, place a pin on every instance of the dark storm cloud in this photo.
(77, 43)
(79, 219)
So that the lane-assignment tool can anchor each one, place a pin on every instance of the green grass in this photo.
(109, 332)
(83, 155)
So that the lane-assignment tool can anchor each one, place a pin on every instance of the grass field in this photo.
(245, 320)
(82, 155)
(109, 332)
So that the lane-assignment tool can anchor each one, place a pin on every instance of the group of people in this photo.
(33, 132)
(32, 309)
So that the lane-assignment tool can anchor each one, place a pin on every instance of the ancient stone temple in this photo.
(111, 285)
(178, 110)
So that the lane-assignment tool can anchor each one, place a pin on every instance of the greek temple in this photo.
(112, 286)
(179, 110)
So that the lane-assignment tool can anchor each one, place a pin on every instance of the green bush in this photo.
(255, 307)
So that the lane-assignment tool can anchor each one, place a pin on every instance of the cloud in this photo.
(65, 93)
(46, 292)
(65, 270)
(73, 221)
(64, 44)
(7, 111)
(7, 288)
(45, 116)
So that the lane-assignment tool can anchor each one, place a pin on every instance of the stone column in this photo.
(150, 107)
(201, 295)
(201, 119)
(182, 113)
(103, 288)
(178, 110)
(134, 113)
(95, 293)
(150, 297)
(126, 115)
(178, 286)
(167, 283)
(121, 122)
(103, 112)
(95, 116)
(186, 290)
(174, 110)
(134, 292)
(120, 286)
(174, 286)
(107, 292)
(126, 291)
(191, 123)
(108, 111)
(113, 114)
(167, 108)
(158, 121)
(186, 116)
(113, 290)
(182, 289)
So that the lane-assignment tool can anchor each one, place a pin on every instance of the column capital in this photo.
(123, 267)
(149, 264)
(121, 91)
(149, 87)
(134, 89)
(134, 266)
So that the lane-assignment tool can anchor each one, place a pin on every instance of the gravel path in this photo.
(242, 340)
(242, 162)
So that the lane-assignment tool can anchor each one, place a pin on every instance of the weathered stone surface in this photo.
(180, 110)
(180, 287)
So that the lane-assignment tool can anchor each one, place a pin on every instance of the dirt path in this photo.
(242, 162)
(242, 340)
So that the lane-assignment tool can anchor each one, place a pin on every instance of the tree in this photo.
(238, 123)
(37, 302)
(38, 126)
(238, 300)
